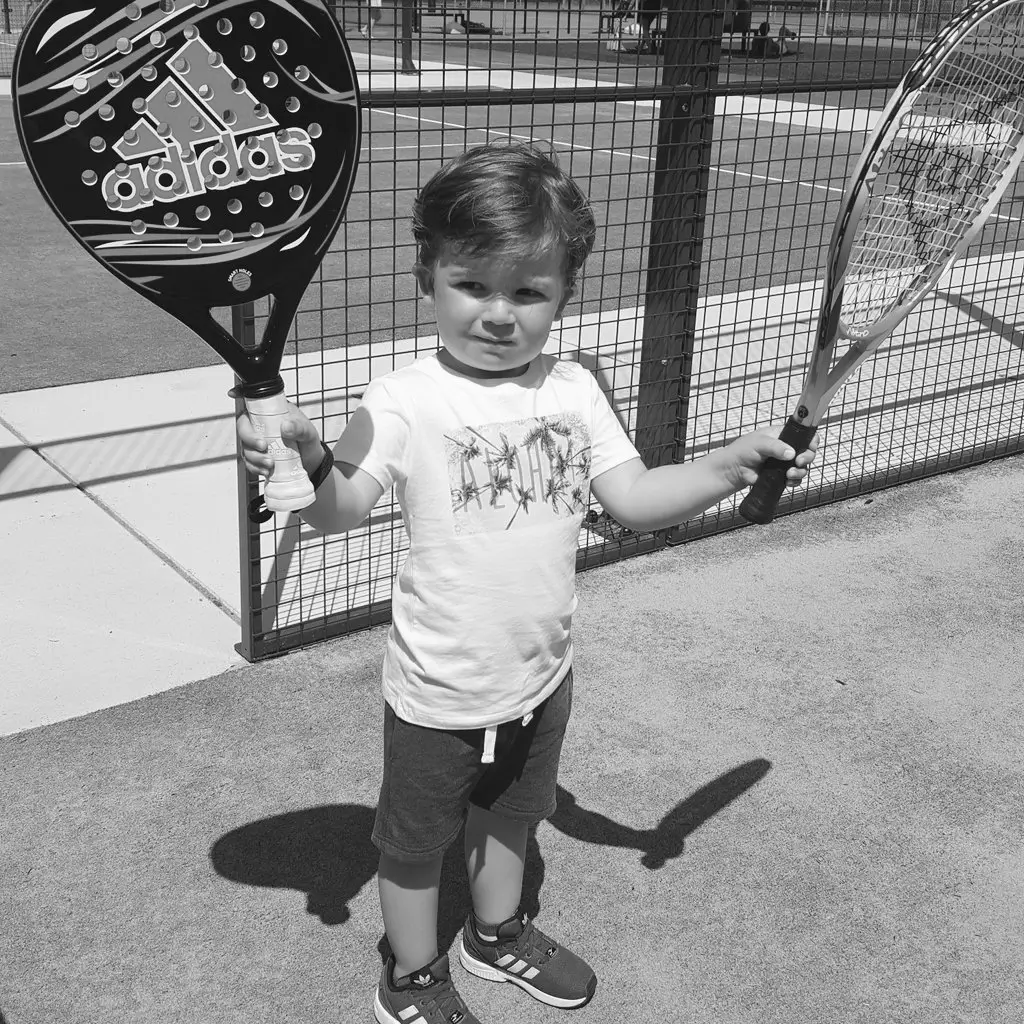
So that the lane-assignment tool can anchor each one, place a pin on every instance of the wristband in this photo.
(323, 471)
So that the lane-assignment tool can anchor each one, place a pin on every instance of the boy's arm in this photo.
(645, 499)
(343, 500)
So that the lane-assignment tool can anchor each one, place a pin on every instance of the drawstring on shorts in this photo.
(491, 736)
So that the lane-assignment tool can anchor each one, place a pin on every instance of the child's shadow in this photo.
(326, 853)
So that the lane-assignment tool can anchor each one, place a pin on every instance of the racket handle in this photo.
(763, 498)
(288, 488)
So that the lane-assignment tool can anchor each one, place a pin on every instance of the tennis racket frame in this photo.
(823, 378)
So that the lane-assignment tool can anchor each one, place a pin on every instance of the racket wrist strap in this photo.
(323, 471)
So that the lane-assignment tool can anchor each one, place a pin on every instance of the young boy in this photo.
(493, 448)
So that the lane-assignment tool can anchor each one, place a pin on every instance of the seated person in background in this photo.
(765, 47)
(762, 46)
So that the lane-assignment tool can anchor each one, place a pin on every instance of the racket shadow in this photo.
(667, 839)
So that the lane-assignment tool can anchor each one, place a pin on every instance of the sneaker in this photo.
(427, 996)
(524, 955)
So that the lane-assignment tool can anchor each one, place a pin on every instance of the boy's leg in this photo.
(499, 943)
(428, 776)
(495, 856)
(408, 903)
(416, 983)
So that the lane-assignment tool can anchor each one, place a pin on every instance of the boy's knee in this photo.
(409, 874)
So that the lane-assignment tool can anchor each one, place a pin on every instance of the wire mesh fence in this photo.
(715, 144)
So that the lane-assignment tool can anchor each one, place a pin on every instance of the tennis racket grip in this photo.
(763, 498)
(288, 488)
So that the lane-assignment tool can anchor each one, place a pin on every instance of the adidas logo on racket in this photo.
(182, 147)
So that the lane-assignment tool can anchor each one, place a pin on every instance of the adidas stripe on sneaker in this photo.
(523, 955)
(427, 996)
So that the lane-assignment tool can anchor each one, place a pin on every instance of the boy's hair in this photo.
(505, 200)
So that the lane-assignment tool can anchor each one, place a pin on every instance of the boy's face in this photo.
(493, 317)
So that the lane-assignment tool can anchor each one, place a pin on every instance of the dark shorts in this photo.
(431, 776)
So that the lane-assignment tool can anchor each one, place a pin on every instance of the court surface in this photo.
(117, 468)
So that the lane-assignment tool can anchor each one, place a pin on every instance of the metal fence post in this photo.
(692, 47)
(243, 327)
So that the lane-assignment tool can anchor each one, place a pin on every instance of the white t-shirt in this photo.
(493, 478)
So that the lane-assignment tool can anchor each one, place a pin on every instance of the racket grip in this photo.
(288, 488)
(763, 498)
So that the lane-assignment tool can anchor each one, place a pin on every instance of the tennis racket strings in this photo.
(942, 154)
(946, 163)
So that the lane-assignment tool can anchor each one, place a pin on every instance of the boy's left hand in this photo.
(749, 452)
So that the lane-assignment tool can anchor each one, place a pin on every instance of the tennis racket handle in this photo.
(763, 498)
(288, 488)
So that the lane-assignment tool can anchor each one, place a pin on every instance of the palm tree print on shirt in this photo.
(519, 473)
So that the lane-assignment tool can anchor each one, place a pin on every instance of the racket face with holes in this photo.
(202, 150)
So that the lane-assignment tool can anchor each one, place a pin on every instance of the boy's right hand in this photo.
(296, 431)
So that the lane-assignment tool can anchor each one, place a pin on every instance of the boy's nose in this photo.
(499, 311)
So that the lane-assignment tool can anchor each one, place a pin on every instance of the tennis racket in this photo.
(204, 152)
(945, 149)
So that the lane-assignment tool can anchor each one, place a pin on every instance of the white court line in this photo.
(824, 188)
(760, 108)
(777, 181)
(804, 115)
(434, 75)
(501, 134)
(793, 112)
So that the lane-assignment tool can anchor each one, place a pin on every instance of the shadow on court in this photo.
(326, 854)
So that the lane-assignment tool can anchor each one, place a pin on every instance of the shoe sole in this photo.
(381, 1014)
(489, 973)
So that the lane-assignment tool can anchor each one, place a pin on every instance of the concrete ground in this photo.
(792, 791)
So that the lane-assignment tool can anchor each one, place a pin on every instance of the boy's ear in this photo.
(570, 291)
(425, 280)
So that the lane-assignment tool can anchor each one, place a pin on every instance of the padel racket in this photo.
(946, 147)
(203, 151)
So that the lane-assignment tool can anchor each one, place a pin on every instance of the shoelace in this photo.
(534, 946)
(442, 997)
